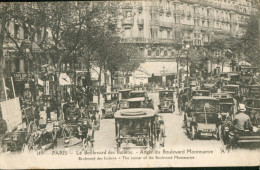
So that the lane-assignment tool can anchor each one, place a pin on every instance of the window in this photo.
(140, 33)
(127, 32)
(16, 30)
(168, 34)
(157, 52)
(151, 33)
(165, 53)
(26, 35)
(39, 36)
(149, 53)
(172, 54)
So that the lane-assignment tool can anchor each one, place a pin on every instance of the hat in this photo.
(242, 107)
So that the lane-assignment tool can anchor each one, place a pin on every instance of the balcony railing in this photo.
(148, 40)
(178, 12)
(176, 25)
(196, 15)
(165, 24)
(187, 27)
(154, 22)
(204, 28)
(127, 21)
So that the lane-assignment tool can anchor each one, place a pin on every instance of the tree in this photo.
(3, 10)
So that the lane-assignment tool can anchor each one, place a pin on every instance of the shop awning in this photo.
(64, 79)
(160, 68)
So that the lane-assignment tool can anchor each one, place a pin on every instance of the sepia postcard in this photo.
(129, 84)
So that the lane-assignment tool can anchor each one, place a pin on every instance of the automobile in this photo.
(220, 95)
(135, 128)
(166, 101)
(234, 78)
(202, 117)
(224, 77)
(254, 91)
(232, 89)
(207, 86)
(139, 102)
(123, 95)
(110, 104)
(137, 94)
(200, 93)
(250, 134)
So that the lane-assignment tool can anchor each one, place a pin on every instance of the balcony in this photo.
(154, 23)
(218, 30)
(127, 6)
(210, 29)
(178, 12)
(154, 8)
(204, 28)
(165, 24)
(210, 17)
(127, 21)
(139, 6)
(187, 27)
(176, 25)
(148, 40)
(196, 15)
(140, 22)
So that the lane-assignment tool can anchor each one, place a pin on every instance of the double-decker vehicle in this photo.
(110, 104)
(202, 117)
(166, 101)
(135, 128)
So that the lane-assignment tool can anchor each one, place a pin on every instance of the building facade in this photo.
(156, 26)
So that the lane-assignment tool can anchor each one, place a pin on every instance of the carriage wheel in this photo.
(192, 135)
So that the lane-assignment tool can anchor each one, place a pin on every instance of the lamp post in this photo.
(187, 48)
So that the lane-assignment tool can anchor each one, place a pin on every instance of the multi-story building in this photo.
(157, 26)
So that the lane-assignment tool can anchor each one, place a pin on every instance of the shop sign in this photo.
(22, 76)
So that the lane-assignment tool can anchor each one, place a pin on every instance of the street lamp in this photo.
(187, 48)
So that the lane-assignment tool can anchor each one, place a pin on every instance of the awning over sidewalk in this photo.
(64, 79)
(160, 68)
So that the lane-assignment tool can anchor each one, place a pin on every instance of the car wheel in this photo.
(192, 135)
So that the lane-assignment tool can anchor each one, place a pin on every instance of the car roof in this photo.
(135, 113)
(137, 91)
(125, 90)
(231, 85)
(253, 99)
(166, 91)
(111, 93)
(136, 99)
(203, 98)
(201, 90)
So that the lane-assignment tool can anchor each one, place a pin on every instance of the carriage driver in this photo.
(241, 120)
